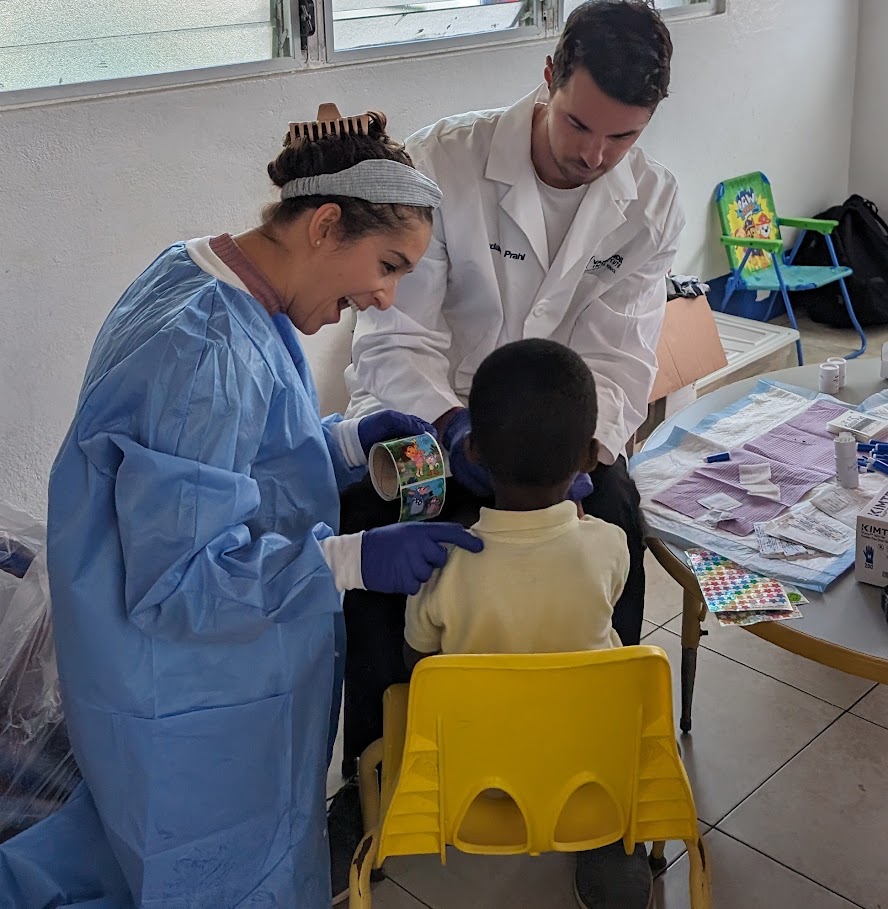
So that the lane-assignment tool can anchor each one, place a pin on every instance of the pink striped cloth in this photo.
(803, 440)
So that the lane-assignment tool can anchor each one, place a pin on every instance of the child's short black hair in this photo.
(534, 410)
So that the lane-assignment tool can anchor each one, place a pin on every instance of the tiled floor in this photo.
(820, 341)
(789, 765)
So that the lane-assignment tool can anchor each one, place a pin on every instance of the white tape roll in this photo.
(842, 363)
(829, 378)
(846, 461)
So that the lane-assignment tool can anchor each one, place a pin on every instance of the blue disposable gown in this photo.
(194, 611)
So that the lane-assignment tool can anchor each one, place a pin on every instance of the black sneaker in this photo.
(607, 878)
(345, 829)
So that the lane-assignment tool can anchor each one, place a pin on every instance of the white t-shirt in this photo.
(560, 207)
(546, 582)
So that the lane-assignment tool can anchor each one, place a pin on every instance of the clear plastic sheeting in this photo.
(37, 769)
(21, 538)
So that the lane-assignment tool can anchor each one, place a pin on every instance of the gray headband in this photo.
(376, 180)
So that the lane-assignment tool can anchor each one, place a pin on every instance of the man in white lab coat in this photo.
(553, 225)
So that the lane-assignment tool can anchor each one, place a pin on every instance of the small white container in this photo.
(829, 378)
(842, 363)
(847, 475)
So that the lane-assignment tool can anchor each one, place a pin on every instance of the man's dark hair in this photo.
(534, 411)
(625, 47)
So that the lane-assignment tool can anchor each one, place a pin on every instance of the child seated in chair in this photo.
(548, 578)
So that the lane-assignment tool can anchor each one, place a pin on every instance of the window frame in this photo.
(695, 9)
(316, 51)
(287, 36)
(544, 26)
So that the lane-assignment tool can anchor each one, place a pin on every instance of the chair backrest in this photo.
(746, 209)
(536, 753)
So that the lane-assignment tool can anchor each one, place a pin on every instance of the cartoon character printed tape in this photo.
(412, 471)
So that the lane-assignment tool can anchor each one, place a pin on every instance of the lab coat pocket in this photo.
(599, 325)
(208, 802)
(595, 287)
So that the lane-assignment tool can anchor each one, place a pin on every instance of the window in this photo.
(374, 23)
(57, 42)
(49, 43)
(358, 29)
(669, 8)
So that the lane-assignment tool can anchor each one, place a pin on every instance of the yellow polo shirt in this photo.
(546, 582)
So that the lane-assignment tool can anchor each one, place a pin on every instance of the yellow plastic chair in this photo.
(508, 754)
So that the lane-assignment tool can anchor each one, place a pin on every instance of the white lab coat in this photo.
(604, 294)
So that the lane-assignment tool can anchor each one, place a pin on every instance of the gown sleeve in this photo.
(349, 461)
(175, 428)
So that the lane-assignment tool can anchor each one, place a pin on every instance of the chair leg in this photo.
(772, 299)
(690, 641)
(792, 321)
(657, 859)
(700, 875)
(848, 307)
(368, 784)
(359, 875)
(853, 317)
(729, 292)
(790, 314)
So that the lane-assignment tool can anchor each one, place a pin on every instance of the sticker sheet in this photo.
(753, 618)
(727, 587)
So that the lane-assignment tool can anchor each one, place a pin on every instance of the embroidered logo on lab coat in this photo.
(611, 264)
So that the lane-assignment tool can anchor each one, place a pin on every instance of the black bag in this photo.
(861, 242)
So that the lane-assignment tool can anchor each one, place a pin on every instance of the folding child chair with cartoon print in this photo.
(756, 254)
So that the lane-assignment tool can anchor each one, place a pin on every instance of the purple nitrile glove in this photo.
(580, 488)
(455, 438)
(390, 424)
(400, 558)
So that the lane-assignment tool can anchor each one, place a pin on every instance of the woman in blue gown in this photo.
(195, 567)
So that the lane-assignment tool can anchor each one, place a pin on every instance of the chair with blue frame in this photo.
(757, 257)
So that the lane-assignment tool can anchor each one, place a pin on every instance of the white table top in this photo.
(848, 614)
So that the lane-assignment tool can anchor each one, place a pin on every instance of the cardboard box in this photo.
(689, 349)
(689, 346)
(871, 562)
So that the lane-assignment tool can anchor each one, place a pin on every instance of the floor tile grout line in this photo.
(781, 681)
(875, 686)
(866, 719)
(788, 867)
(775, 772)
(409, 893)
(663, 626)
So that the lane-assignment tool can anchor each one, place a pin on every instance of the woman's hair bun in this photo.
(329, 154)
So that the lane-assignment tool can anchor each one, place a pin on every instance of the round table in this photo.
(844, 627)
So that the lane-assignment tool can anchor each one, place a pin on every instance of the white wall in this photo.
(869, 136)
(90, 191)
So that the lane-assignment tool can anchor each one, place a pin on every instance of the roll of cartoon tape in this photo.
(411, 471)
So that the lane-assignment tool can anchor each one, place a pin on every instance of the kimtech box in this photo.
(871, 563)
